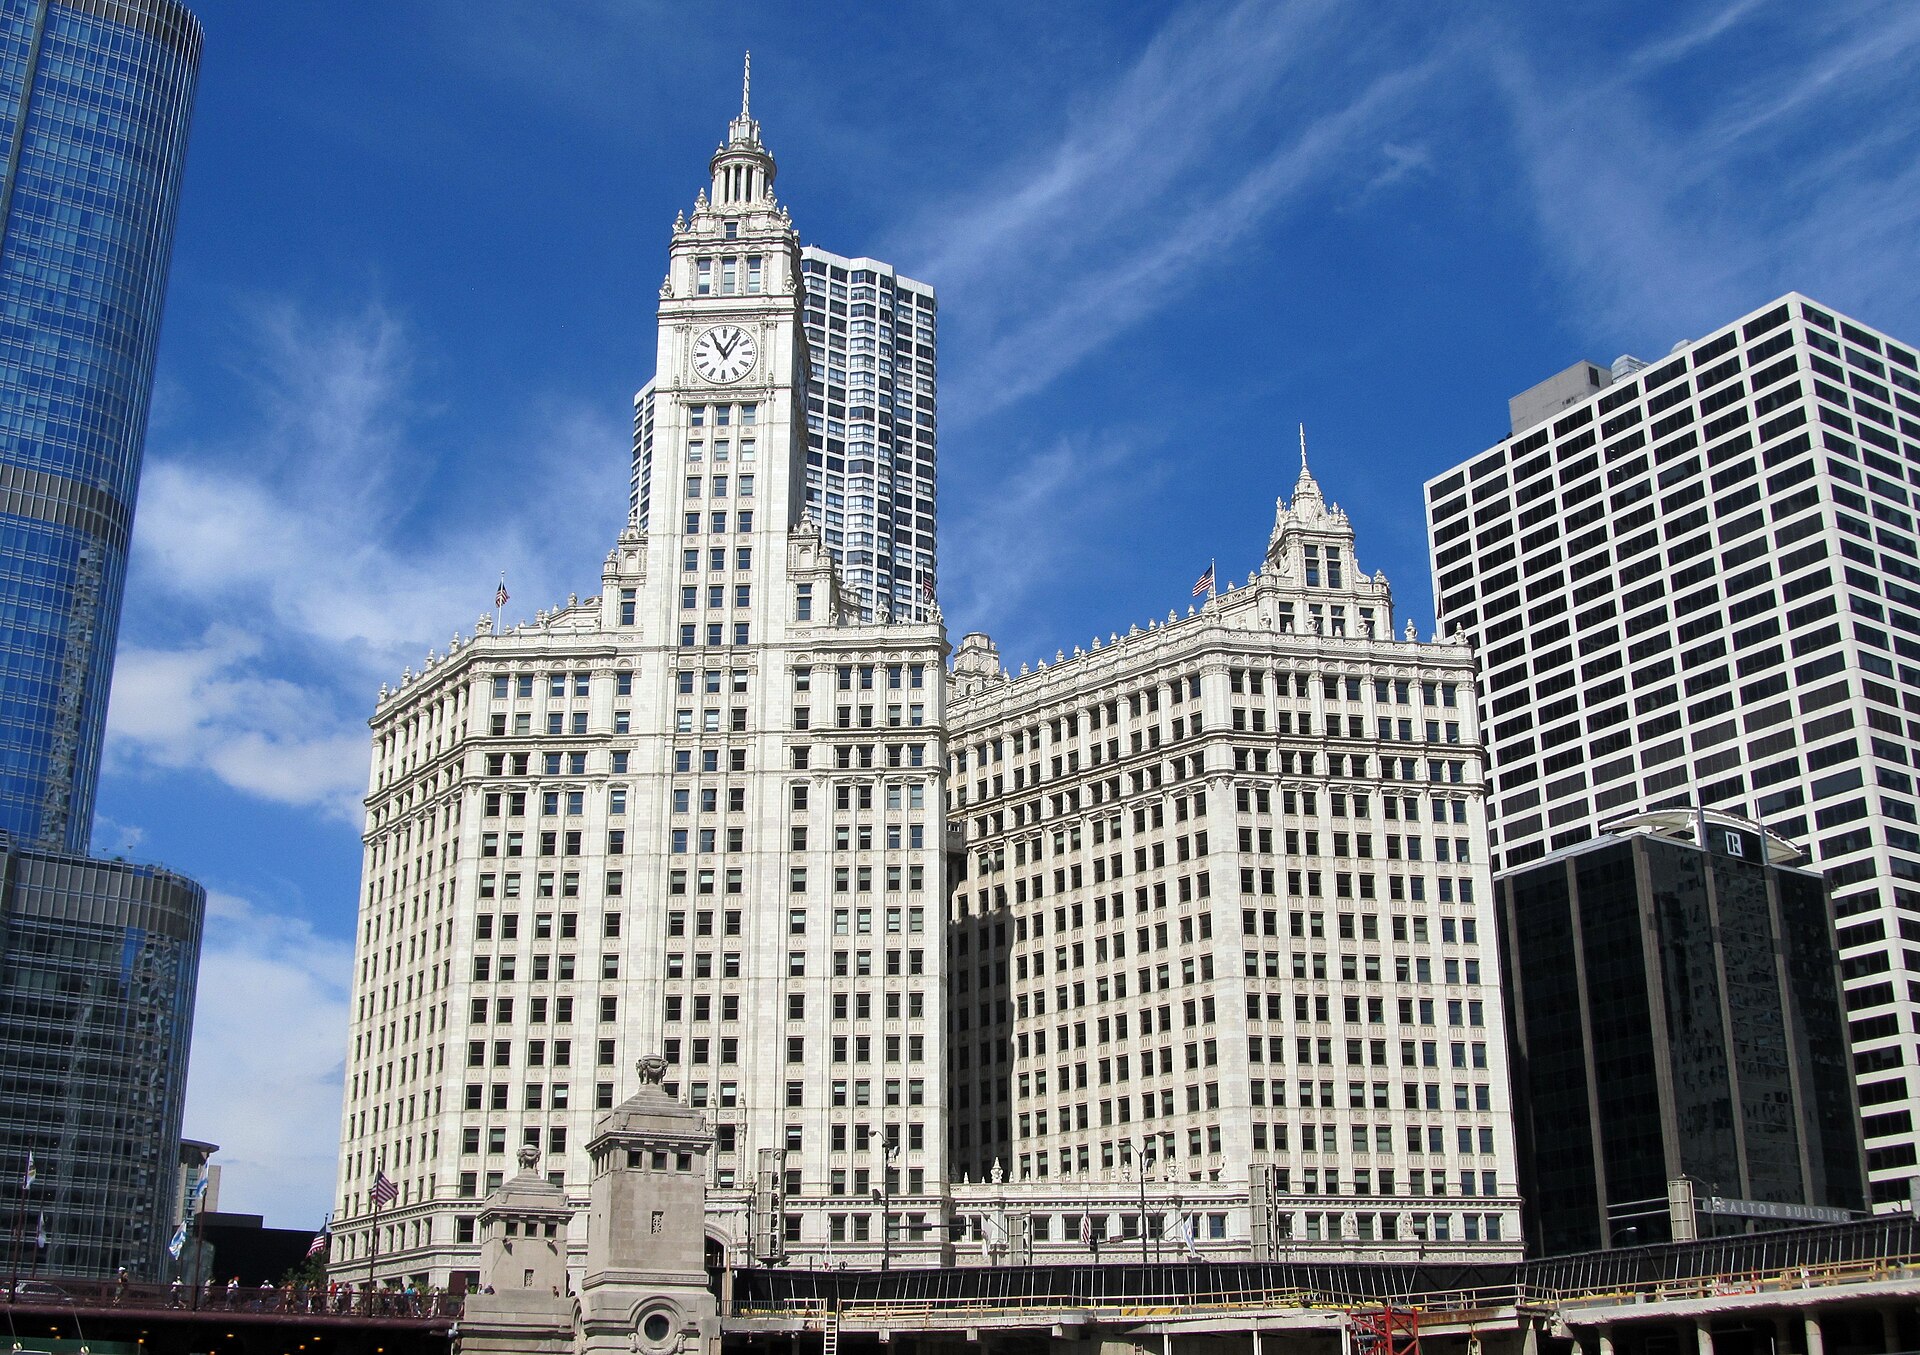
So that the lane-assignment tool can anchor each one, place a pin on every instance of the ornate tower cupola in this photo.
(1312, 548)
(1310, 532)
(742, 170)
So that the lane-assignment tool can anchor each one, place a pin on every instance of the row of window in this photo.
(728, 275)
(716, 522)
(716, 559)
(552, 764)
(718, 486)
(557, 684)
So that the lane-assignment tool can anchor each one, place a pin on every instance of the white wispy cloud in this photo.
(1104, 301)
(1399, 164)
(1663, 215)
(1004, 545)
(1227, 119)
(269, 1047)
(284, 570)
(211, 705)
(113, 838)
(1658, 53)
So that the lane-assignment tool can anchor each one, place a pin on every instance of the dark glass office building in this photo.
(97, 967)
(1674, 1016)
(95, 99)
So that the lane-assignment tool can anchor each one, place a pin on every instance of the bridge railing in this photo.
(283, 1300)
(1127, 1291)
(1819, 1256)
(1796, 1258)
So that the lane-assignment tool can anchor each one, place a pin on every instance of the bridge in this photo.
(1843, 1289)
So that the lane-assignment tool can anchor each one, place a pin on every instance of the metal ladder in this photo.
(830, 1332)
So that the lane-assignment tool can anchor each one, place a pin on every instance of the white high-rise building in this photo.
(1221, 910)
(870, 429)
(698, 815)
(1697, 581)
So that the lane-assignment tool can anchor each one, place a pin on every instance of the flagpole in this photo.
(1213, 577)
(373, 1255)
(197, 1266)
(499, 601)
(19, 1225)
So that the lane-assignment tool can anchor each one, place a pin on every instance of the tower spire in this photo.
(742, 170)
(1306, 488)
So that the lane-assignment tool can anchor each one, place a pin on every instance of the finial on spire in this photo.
(746, 84)
(1306, 487)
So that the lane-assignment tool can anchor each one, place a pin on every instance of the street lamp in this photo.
(1140, 1160)
(889, 1155)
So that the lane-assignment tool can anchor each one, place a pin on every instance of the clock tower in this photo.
(789, 866)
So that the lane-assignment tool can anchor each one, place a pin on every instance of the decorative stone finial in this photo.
(528, 1155)
(652, 1068)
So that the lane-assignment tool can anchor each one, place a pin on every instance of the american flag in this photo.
(500, 593)
(926, 589)
(384, 1190)
(1204, 584)
(319, 1245)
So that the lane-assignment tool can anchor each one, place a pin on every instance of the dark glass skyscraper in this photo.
(95, 99)
(1675, 1024)
(97, 967)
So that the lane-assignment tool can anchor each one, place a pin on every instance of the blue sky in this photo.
(418, 259)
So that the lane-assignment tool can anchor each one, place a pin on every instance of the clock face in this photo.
(724, 353)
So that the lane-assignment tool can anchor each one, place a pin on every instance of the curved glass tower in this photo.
(95, 100)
